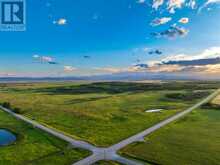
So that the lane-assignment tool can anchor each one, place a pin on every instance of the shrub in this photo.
(188, 96)
(210, 106)
(6, 105)
(17, 110)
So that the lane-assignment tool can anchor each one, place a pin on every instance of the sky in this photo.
(94, 37)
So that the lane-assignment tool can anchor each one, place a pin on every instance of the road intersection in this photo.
(109, 153)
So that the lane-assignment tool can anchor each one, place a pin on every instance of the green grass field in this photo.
(102, 113)
(192, 140)
(34, 147)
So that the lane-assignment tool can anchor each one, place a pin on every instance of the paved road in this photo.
(76, 143)
(111, 152)
(150, 130)
(106, 154)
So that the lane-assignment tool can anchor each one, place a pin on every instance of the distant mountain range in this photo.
(112, 77)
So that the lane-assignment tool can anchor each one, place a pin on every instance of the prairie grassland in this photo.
(102, 113)
(194, 139)
(34, 147)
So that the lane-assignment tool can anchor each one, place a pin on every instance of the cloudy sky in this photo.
(90, 37)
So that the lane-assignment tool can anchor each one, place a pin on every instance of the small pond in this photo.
(6, 137)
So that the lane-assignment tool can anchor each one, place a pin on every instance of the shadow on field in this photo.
(83, 100)
(123, 87)
(185, 96)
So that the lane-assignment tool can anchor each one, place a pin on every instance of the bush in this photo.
(188, 96)
(210, 106)
(17, 110)
(6, 105)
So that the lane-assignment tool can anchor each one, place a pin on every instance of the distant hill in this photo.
(112, 77)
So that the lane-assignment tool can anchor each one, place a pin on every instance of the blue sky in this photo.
(97, 37)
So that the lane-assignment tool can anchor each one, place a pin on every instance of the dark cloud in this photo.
(142, 65)
(86, 56)
(172, 32)
(198, 62)
(53, 63)
(157, 51)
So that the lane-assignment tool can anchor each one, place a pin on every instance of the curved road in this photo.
(111, 152)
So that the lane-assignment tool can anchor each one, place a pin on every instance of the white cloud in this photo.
(134, 68)
(47, 59)
(141, 1)
(160, 21)
(61, 21)
(172, 63)
(165, 68)
(43, 58)
(206, 62)
(174, 4)
(213, 52)
(69, 69)
(212, 1)
(157, 4)
(192, 4)
(109, 69)
(208, 3)
(184, 20)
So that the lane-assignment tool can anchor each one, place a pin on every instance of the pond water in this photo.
(6, 137)
(154, 110)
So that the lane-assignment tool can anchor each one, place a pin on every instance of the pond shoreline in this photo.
(6, 137)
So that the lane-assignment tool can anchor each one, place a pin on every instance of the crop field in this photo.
(102, 113)
(34, 147)
(194, 139)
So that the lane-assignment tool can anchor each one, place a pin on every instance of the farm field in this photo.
(34, 147)
(102, 113)
(194, 139)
